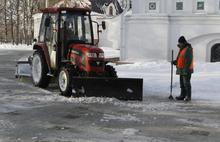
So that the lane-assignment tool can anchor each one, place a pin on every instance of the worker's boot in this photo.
(188, 95)
(182, 95)
(187, 99)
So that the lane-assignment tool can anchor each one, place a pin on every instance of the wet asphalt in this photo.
(30, 114)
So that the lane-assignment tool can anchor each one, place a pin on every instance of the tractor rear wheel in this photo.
(110, 71)
(65, 82)
(40, 70)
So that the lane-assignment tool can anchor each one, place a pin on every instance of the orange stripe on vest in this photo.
(181, 59)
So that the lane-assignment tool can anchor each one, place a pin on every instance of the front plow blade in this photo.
(120, 88)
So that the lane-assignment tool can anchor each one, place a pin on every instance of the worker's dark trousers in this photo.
(185, 85)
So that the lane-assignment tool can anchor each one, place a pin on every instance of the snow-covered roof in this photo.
(97, 5)
(94, 5)
(74, 3)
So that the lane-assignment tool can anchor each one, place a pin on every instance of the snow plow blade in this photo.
(23, 69)
(119, 88)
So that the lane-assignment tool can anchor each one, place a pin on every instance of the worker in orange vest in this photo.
(184, 65)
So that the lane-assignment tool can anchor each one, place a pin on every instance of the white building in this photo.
(153, 28)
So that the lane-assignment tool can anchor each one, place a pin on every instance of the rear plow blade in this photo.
(23, 69)
(120, 88)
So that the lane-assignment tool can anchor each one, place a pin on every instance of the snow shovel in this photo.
(171, 80)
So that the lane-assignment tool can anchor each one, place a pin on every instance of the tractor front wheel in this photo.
(64, 82)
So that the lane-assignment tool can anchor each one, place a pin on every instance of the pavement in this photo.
(30, 114)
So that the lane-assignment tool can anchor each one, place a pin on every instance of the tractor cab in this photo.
(68, 37)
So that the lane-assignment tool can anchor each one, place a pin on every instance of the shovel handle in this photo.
(171, 80)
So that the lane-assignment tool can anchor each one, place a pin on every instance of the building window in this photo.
(200, 5)
(179, 5)
(110, 11)
(130, 5)
(152, 5)
(219, 5)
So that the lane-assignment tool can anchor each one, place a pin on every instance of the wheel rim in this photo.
(63, 81)
(36, 69)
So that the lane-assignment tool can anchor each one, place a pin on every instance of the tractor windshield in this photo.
(76, 27)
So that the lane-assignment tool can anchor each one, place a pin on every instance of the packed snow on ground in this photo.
(130, 131)
(128, 117)
(16, 47)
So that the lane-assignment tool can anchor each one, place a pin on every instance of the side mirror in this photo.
(103, 25)
(47, 22)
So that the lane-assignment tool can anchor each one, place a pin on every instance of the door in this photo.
(215, 53)
(51, 34)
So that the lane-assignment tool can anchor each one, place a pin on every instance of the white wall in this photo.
(199, 30)
(111, 37)
(145, 37)
(151, 35)
(169, 6)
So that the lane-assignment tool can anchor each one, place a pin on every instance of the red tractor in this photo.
(66, 49)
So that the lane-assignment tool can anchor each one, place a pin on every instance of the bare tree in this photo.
(5, 20)
(18, 21)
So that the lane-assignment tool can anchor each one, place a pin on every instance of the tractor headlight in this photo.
(101, 55)
(92, 55)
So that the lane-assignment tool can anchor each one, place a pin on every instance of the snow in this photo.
(156, 75)
(74, 3)
(130, 131)
(110, 52)
(128, 117)
(16, 47)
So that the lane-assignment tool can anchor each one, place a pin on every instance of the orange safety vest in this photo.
(181, 60)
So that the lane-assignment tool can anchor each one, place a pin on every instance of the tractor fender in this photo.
(42, 47)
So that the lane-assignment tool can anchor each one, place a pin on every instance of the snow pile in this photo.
(16, 47)
(110, 52)
(156, 75)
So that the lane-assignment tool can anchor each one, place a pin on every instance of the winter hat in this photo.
(182, 40)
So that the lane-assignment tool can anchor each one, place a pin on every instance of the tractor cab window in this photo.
(49, 28)
(42, 29)
(76, 27)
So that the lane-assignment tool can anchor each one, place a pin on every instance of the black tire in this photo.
(110, 71)
(65, 82)
(40, 70)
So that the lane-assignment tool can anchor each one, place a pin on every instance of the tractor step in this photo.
(120, 88)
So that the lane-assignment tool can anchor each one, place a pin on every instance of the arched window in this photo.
(110, 11)
(215, 53)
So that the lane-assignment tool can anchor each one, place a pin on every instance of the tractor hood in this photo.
(86, 48)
